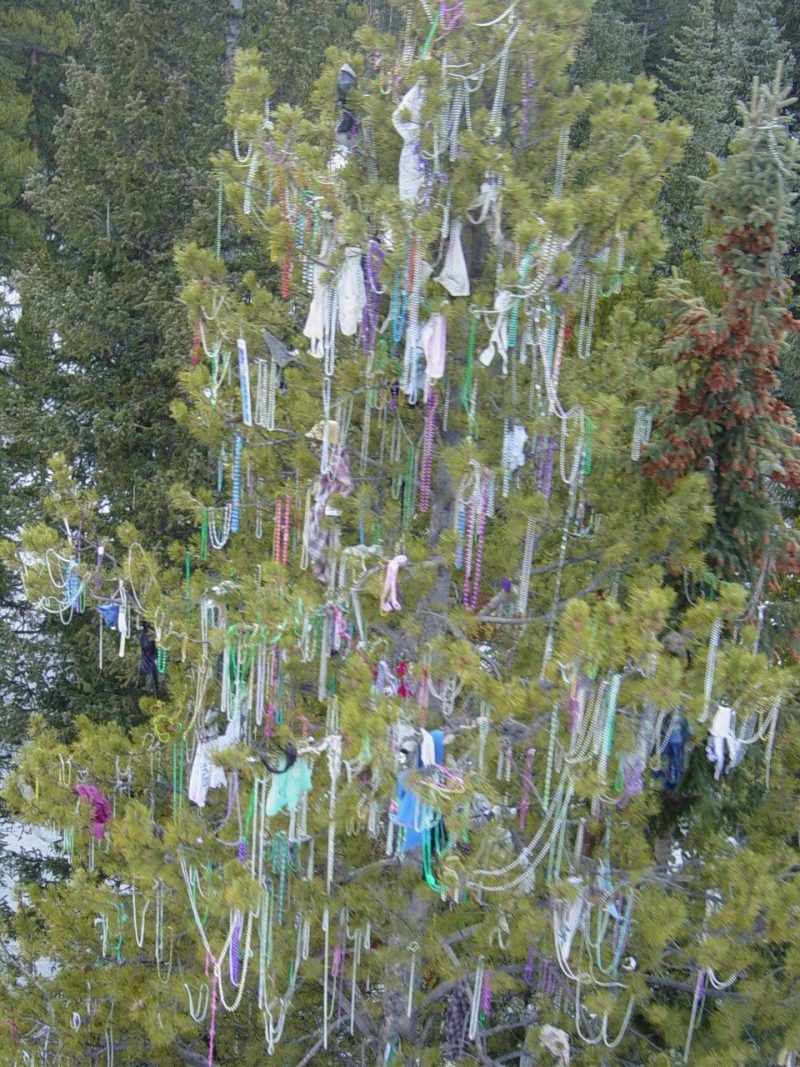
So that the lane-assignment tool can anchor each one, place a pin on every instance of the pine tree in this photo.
(416, 540)
(728, 419)
(698, 88)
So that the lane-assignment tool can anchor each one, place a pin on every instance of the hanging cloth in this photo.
(557, 1042)
(101, 808)
(408, 810)
(109, 614)
(514, 447)
(406, 120)
(434, 345)
(389, 598)
(427, 749)
(351, 291)
(498, 339)
(287, 788)
(454, 276)
(205, 773)
(720, 735)
(485, 206)
(316, 322)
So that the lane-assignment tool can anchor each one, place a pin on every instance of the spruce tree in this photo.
(697, 88)
(756, 46)
(612, 50)
(727, 418)
(422, 630)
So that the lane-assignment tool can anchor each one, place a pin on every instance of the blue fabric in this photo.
(412, 814)
(110, 615)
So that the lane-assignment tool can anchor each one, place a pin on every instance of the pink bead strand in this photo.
(476, 580)
(468, 541)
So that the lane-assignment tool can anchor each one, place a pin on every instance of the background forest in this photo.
(565, 555)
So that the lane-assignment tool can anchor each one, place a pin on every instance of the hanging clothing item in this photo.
(385, 684)
(317, 324)
(427, 749)
(514, 447)
(286, 789)
(411, 812)
(389, 597)
(148, 663)
(676, 742)
(557, 1042)
(567, 918)
(110, 615)
(101, 808)
(336, 479)
(453, 275)
(720, 735)
(433, 341)
(484, 204)
(205, 773)
(406, 120)
(351, 291)
(498, 339)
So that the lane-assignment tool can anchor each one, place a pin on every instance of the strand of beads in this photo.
(591, 289)
(408, 486)
(711, 667)
(472, 601)
(244, 381)
(329, 330)
(236, 486)
(472, 508)
(427, 452)
(642, 429)
(469, 369)
(525, 569)
(411, 353)
(527, 779)
(277, 530)
(219, 540)
(551, 750)
(369, 320)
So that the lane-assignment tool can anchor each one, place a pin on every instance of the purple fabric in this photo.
(101, 808)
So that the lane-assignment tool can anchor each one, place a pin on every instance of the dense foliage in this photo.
(437, 542)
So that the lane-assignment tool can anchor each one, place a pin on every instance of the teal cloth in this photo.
(288, 787)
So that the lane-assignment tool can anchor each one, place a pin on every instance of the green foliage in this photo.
(727, 418)
(707, 867)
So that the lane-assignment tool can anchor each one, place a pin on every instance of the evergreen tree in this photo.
(697, 88)
(102, 332)
(756, 46)
(612, 49)
(422, 630)
(34, 38)
(728, 419)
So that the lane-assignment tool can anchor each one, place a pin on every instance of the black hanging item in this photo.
(148, 664)
(289, 751)
(349, 129)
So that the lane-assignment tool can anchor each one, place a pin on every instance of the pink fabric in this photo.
(389, 601)
(101, 808)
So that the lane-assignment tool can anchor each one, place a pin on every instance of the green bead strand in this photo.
(220, 203)
(469, 370)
